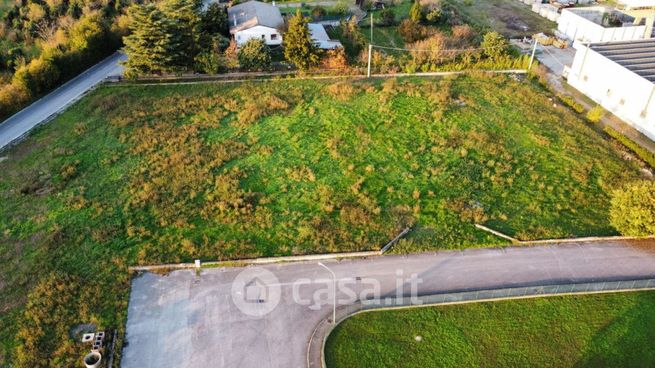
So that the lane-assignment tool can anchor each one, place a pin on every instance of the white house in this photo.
(589, 25)
(620, 76)
(254, 19)
(321, 38)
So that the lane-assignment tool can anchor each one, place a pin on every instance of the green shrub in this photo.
(11, 97)
(416, 11)
(254, 55)
(210, 62)
(632, 210)
(341, 8)
(318, 12)
(38, 76)
(494, 45)
(571, 102)
(641, 152)
(387, 17)
(596, 114)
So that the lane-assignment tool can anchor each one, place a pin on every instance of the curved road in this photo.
(186, 319)
(18, 125)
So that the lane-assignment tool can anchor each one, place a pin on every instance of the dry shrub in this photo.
(178, 171)
(469, 211)
(257, 102)
(354, 216)
(342, 91)
(463, 34)
(253, 110)
(412, 31)
(302, 173)
(335, 60)
(44, 328)
(432, 50)
(69, 171)
(390, 85)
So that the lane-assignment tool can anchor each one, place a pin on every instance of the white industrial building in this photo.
(254, 19)
(592, 24)
(620, 76)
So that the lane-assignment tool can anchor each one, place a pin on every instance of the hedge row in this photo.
(641, 152)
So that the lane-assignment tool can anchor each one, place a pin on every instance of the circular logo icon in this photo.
(256, 291)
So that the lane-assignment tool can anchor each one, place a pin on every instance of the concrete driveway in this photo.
(40, 111)
(555, 59)
(189, 319)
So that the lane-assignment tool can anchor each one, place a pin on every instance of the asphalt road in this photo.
(40, 111)
(189, 319)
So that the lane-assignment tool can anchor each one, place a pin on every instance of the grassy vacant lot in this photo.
(142, 174)
(387, 35)
(609, 330)
(4, 5)
(508, 17)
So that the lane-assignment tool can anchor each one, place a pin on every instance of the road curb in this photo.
(589, 239)
(271, 260)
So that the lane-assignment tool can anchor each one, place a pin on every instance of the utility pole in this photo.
(371, 27)
(534, 50)
(334, 294)
(370, 51)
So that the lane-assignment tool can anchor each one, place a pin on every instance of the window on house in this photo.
(622, 101)
(273, 37)
(263, 37)
(585, 78)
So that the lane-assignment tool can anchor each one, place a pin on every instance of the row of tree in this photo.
(175, 36)
(46, 42)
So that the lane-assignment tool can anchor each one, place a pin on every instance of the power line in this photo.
(447, 50)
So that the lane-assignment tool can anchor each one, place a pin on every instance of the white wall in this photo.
(578, 28)
(258, 32)
(624, 93)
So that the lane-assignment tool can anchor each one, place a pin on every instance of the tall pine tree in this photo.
(185, 22)
(298, 45)
(150, 44)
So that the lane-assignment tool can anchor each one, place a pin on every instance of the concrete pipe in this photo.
(92, 360)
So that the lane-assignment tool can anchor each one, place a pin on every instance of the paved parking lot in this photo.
(185, 319)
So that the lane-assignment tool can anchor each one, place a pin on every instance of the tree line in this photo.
(177, 36)
(46, 42)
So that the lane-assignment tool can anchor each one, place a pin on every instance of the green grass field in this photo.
(609, 330)
(4, 5)
(142, 174)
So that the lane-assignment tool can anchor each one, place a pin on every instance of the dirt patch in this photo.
(37, 183)
(509, 17)
(512, 22)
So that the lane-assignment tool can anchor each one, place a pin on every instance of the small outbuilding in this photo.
(321, 38)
